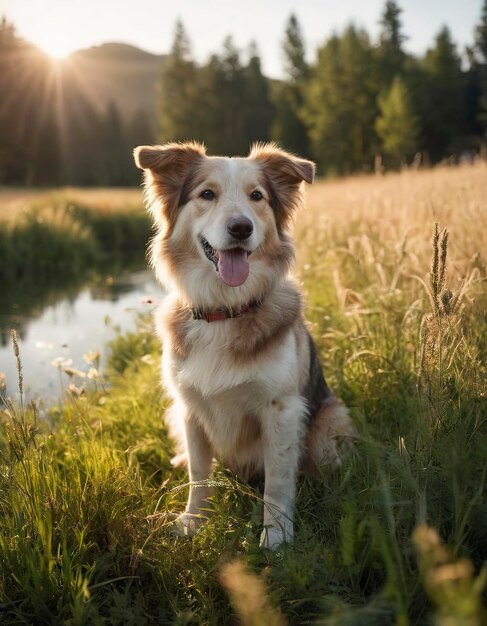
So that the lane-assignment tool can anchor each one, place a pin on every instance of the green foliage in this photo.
(341, 103)
(397, 126)
(441, 99)
(51, 133)
(224, 103)
(178, 117)
(479, 70)
(481, 34)
(390, 52)
(288, 127)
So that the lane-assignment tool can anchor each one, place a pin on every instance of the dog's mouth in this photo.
(232, 265)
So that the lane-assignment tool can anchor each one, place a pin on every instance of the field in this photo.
(398, 307)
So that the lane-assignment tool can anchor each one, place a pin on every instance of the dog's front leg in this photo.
(283, 430)
(199, 466)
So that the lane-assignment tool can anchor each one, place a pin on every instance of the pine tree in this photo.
(179, 99)
(442, 98)
(117, 158)
(295, 64)
(481, 35)
(221, 89)
(397, 126)
(288, 127)
(232, 92)
(391, 55)
(10, 151)
(341, 103)
(481, 72)
(257, 100)
(139, 131)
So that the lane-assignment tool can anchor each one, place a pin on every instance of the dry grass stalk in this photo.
(20, 377)
(450, 583)
(249, 597)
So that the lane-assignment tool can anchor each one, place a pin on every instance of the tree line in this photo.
(361, 104)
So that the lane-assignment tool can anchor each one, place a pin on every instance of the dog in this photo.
(238, 361)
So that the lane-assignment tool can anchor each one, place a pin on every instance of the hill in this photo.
(121, 73)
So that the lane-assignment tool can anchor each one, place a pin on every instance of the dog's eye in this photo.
(207, 194)
(256, 196)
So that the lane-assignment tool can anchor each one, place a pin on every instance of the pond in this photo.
(68, 326)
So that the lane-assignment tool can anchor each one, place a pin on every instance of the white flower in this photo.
(93, 373)
(62, 362)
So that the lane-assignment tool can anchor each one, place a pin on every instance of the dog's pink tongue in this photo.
(233, 266)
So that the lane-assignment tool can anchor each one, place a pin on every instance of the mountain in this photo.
(119, 73)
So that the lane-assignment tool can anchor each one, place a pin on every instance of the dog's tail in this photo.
(330, 437)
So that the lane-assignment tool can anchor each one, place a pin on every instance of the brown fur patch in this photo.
(177, 322)
(172, 255)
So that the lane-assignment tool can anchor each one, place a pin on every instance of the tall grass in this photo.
(397, 536)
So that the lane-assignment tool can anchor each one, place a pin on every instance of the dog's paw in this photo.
(273, 537)
(187, 524)
(180, 461)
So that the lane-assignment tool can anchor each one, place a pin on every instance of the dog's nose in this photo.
(240, 228)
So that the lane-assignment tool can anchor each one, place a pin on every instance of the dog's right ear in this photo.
(167, 171)
(160, 159)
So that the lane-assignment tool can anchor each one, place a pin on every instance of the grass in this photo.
(398, 536)
(48, 235)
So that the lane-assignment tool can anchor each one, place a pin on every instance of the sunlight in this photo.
(57, 48)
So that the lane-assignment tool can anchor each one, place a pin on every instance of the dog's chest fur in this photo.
(229, 392)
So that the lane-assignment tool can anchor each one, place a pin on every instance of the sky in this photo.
(62, 26)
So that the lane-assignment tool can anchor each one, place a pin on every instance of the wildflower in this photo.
(93, 373)
(76, 392)
(92, 357)
(71, 371)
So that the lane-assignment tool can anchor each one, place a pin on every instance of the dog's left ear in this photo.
(283, 174)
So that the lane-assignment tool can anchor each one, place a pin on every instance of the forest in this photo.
(360, 106)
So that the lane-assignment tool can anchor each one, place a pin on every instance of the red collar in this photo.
(219, 315)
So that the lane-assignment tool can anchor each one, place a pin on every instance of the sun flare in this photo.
(56, 49)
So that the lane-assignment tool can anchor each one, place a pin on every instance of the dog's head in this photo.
(223, 222)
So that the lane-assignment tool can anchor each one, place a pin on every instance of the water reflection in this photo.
(71, 326)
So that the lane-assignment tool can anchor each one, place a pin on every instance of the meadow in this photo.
(394, 271)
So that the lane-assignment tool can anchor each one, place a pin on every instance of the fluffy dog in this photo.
(238, 361)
